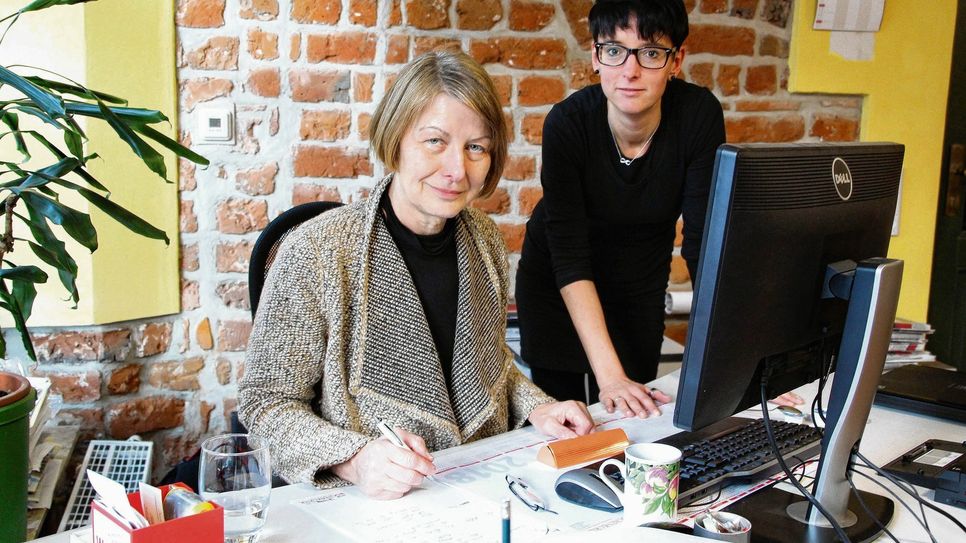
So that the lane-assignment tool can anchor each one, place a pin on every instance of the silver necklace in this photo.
(620, 156)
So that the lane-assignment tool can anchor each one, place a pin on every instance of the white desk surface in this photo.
(889, 433)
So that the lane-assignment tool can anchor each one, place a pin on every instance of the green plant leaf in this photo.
(131, 221)
(151, 158)
(31, 274)
(47, 102)
(60, 154)
(132, 114)
(43, 4)
(63, 263)
(76, 224)
(76, 90)
(46, 175)
(39, 113)
(170, 144)
(3, 347)
(24, 292)
(11, 305)
(10, 119)
(74, 143)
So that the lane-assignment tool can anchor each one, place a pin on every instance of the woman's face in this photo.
(444, 158)
(629, 88)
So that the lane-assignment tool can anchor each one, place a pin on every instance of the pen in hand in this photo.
(394, 438)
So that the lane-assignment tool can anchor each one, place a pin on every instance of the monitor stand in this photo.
(872, 289)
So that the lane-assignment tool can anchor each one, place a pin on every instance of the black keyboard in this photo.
(736, 451)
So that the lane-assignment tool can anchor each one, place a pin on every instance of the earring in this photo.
(596, 71)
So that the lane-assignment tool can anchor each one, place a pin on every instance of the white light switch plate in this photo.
(215, 125)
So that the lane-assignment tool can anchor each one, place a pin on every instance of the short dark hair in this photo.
(655, 18)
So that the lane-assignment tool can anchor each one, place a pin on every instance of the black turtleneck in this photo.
(431, 261)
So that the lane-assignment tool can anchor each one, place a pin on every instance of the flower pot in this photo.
(17, 398)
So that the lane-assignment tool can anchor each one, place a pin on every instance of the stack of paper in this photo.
(908, 344)
(41, 412)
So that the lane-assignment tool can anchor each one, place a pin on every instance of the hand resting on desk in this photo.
(384, 471)
(562, 419)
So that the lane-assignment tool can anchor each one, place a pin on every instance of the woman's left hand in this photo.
(631, 398)
(562, 419)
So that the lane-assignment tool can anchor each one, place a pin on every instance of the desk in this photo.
(888, 434)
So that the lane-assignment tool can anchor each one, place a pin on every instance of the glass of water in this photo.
(236, 473)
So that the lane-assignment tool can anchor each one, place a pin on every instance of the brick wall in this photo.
(304, 76)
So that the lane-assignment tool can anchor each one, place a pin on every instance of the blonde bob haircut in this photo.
(455, 74)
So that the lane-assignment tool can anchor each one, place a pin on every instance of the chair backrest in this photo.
(268, 242)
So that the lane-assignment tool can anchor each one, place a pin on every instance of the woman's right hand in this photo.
(630, 397)
(384, 471)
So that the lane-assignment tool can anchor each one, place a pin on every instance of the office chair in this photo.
(268, 242)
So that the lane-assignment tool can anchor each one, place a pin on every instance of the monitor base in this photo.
(770, 522)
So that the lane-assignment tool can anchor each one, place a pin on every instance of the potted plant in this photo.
(33, 195)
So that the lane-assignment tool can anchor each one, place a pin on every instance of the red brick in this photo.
(701, 74)
(189, 222)
(189, 257)
(203, 89)
(234, 294)
(777, 12)
(767, 105)
(218, 53)
(362, 122)
(262, 45)
(304, 193)
(311, 161)
(152, 338)
(190, 295)
(727, 79)
(74, 387)
(204, 415)
(513, 236)
(141, 415)
(86, 418)
(532, 128)
(760, 128)
(582, 74)
(313, 86)
(264, 82)
(263, 10)
(504, 87)
(233, 257)
(343, 48)
(834, 128)
(203, 334)
(522, 53)
(362, 84)
(576, 12)
(478, 14)
(761, 80)
(530, 16)
(223, 371)
(679, 271)
(497, 203)
(520, 168)
(175, 375)
(428, 14)
(295, 47)
(257, 181)
(721, 40)
(397, 49)
(82, 346)
(186, 175)
(425, 44)
(529, 197)
(325, 125)
(201, 13)
(363, 12)
(316, 11)
(745, 9)
(241, 215)
(539, 90)
(714, 6)
(233, 335)
(772, 46)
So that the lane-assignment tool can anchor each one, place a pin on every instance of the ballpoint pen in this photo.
(505, 511)
(394, 438)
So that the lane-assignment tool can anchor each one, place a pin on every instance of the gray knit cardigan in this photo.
(340, 341)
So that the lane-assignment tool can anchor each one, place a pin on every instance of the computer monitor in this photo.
(792, 280)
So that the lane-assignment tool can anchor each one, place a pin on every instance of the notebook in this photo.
(924, 390)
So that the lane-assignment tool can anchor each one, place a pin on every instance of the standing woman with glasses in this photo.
(622, 160)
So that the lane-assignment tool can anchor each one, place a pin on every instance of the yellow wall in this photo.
(125, 49)
(905, 86)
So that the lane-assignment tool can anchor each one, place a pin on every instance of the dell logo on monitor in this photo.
(842, 178)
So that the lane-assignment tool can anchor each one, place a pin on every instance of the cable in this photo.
(858, 496)
(921, 500)
(901, 501)
(791, 477)
(705, 504)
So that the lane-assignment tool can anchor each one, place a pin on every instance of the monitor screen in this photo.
(779, 214)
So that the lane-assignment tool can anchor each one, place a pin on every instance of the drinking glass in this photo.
(236, 473)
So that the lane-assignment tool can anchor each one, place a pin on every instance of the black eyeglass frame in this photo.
(668, 51)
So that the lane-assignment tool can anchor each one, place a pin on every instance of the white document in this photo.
(433, 513)
(851, 15)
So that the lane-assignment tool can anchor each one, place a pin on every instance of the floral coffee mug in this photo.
(651, 473)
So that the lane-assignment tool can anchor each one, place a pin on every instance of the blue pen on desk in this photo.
(394, 438)
(505, 510)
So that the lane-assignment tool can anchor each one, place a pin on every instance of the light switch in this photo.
(215, 124)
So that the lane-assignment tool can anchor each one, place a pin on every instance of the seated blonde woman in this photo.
(394, 308)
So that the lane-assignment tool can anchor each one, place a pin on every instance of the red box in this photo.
(206, 527)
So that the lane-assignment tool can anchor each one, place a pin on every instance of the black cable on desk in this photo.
(898, 499)
(896, 482)
(858, 496)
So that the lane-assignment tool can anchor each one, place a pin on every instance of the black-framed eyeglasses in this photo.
(525, 495)
(650, 57)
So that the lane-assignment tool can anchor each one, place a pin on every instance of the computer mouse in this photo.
(584, 487)
(670, 526)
